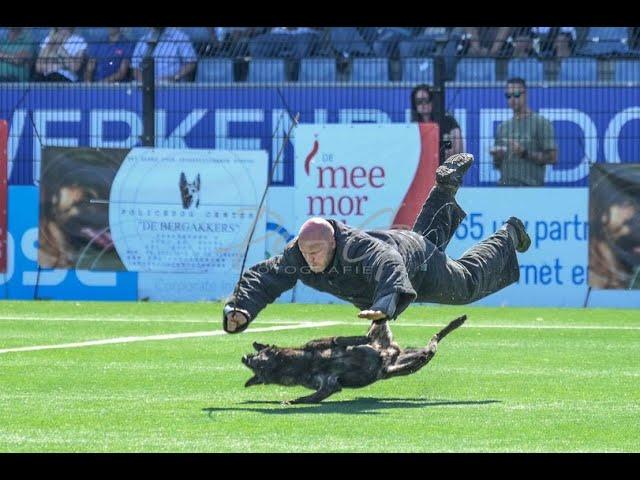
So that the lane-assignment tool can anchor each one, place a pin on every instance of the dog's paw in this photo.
(286, 403)
(433, 346)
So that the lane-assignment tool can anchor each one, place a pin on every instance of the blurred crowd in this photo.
(111, 54)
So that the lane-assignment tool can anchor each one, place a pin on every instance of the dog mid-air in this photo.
(330, 364)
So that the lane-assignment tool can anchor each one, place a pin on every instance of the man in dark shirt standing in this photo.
(383, 271)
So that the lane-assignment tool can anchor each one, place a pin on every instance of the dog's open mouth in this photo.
(101, 238)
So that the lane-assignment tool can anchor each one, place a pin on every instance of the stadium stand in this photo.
(530, 69)
(215, 70)
(317, 70)
(627, 71)
(418, 70)
(476, 70)
(370, 70)
(606, 41)
(266, 70)
(578, 70)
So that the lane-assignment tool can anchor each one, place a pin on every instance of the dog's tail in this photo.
(450, 328)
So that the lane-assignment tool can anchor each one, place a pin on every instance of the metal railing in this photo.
(237, 87)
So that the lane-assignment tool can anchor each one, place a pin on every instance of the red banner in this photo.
(425, 177)
(4, 136)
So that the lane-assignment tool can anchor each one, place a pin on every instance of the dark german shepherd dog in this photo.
(330, 364)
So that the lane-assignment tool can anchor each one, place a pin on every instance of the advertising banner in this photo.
(4, 132)
(150, 210)
(614, 237)
(367, 176)
(25, 280)
(592, 123)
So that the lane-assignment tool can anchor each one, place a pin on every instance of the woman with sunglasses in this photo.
(421, 111)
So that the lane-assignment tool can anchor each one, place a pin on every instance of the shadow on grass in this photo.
(364, 406)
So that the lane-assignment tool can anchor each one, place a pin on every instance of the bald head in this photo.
(317, 243)
(317, 229)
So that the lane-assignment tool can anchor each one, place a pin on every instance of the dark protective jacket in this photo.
(367, 267)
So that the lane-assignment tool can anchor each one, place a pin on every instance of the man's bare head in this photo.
(317, 243)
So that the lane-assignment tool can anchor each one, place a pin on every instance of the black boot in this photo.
(449, 174)
(524, 241)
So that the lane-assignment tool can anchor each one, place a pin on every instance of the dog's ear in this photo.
(259, 346)
(253, 381)
(183, 180)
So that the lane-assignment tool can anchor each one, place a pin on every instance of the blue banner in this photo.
(23, 280)
(592, 123)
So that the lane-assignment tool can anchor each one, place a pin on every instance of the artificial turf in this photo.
(509, 380)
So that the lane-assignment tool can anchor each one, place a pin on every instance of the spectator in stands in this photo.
(292, 30)
(634, 40)
(174, 56)
(213, 46)
(16, 55)
(421, 111)
(236, 39)
(554, 41)
(62, 56)
(110, 59)
(485, 41)
(522, 43)
(525, 144)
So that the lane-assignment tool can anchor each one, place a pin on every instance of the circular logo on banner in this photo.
(186, 210)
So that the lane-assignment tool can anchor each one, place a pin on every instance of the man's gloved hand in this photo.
(235, 320)
(372, 314)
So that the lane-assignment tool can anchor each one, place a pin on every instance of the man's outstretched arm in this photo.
(258, 287)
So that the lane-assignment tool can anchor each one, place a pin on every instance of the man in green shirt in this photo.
(16, 55)
(525, 144)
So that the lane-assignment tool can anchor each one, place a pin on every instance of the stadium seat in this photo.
(528, 68)
(417, 47)
(627, 71)
(266, 70)
(317, 70)
(282, 45)
(215, 70)
(578, 70)
(606, 41)
(387, 40)
(370, 70)
(417, 70)
(476, 70)
(347, 40)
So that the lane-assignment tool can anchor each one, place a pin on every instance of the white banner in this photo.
(187, 210)
(367, 175)
(553, 272)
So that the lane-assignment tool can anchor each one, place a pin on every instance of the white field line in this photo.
(170, 336)
(394, 324)
(128, 320)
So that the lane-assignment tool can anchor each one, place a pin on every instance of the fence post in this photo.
(439, 77)
(149, 97)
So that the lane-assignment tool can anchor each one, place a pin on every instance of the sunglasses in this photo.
(422, 101)
(514, 94)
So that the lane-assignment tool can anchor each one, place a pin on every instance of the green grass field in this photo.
(509, 380)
